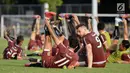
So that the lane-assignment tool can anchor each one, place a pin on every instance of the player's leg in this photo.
(38, 25)
(33, 64)
(62, 48)
(33, 35)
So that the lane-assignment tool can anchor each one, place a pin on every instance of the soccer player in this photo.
(14, 50)
(122, 54)
(64, 56)
(37, 40)
(94, 49)
(104, 37)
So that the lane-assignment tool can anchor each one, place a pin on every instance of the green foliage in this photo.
(52, 3)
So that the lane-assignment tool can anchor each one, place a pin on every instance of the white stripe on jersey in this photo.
(58, 61)
(102, 38)
(63, 63)
(100, 62)
(68, 56)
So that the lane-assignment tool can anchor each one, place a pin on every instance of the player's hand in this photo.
(75, 18)
(124, 16)
(37, 16)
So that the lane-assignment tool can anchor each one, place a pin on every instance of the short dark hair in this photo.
(101, 26)
(126, 44)
(73, 41)
(42, 33)
(80, 25)
(19, 39)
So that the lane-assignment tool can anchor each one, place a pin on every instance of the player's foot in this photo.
(117, 21)
(27, 64)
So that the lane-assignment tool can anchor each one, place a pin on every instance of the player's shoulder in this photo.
(102, 36)
(90, 34)
(18, 47)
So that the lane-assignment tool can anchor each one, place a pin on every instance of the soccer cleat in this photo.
(50, 14)
(33, 60)
(27, 64)
(117, 21)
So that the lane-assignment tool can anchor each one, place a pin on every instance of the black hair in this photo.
(42, 33)
(73, 41)
(101, 26)
(80, 26)
(126, 44)
(19, 39)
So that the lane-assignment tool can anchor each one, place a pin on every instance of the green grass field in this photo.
(17, 66)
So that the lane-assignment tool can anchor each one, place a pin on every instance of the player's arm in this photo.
(76, 20)
(90, 24)
(125, 29)
(33, 33)
(14, 30)
(96, 18)
(52, 33)
(38, 24)
(89, 55)
(6, 35)
(103, 40)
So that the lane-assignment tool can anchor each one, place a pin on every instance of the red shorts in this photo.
(99, 64)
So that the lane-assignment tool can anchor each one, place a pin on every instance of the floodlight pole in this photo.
(46, 8)
(94, 14)
(2, 26)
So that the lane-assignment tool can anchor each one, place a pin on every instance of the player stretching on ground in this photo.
(37, 40)
(14, 50)
(121, 55)
(64, 56)
(95, 53)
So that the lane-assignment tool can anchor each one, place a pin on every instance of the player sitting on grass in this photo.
(14, 50)
(121, 55)
(95, 56)
(64, 56)
(37, 40)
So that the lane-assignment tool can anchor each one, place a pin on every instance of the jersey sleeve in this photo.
(102, 38)
(87, 40)
(125, 57)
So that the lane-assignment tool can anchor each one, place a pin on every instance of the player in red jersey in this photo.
(64, 55)
(14, 50)
(37, 40)
(95, 51)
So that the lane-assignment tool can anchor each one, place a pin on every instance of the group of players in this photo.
(82, 45)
